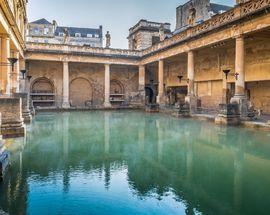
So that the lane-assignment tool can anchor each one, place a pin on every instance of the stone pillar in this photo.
(142, 83)
(65, 103)
(107, 83)
(240, 97)
(5, 74)
(15, 75)
(191, 99)
(224, 90)
(160, 97)
(26, 114)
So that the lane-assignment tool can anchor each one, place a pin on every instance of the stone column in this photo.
(5, 74)
(107, 83)
(191, 98)
(224, 90)
(240, 97)
(66, 103)
(142, 83)
(161, 82)
(15, 77)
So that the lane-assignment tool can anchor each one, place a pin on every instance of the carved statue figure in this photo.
(108, 39)
(162, 33)
(66, 35)
(192, 16)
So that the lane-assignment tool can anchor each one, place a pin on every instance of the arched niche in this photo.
(80, 92)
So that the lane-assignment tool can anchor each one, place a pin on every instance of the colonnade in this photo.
(191, 99)
(9, 76)
(107, 83)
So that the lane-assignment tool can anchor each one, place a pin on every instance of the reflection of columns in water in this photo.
(107, 132)
(141, 135)
(238, 172)
(65, 133)
(160, 140)
(107, 173)
(189, 156)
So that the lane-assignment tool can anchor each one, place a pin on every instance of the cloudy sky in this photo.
(117, 16)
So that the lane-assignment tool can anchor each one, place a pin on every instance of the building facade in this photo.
(197, 11)
(43, 31)
(145, 34)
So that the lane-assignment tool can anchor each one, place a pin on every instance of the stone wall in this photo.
(94, 74)
(86, 81)
(50, 70)
(12, 122)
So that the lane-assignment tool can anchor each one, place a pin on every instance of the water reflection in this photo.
(134, 163)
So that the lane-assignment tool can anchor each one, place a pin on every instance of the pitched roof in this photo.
(41, 21)
(216, 8)
(83, 31)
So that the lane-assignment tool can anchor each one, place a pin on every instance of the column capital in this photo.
(5, 36)
(239, 37)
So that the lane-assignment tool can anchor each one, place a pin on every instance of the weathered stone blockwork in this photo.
(12, 121)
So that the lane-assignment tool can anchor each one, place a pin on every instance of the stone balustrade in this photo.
(83, 50)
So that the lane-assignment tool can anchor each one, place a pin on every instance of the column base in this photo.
(107, 105)
(242, 102)
(192, 101)
(228, 115)
(66, 105)
(26, 113)
(161, 100)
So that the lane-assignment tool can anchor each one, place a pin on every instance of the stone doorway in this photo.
(81, 93)
(150, 97)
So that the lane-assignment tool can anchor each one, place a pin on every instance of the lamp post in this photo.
(226, 72)
(180, 77)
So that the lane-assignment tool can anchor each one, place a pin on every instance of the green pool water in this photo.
(128, 162)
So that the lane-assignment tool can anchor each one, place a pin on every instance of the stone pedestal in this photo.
(26, 113)
(12, 121)
(228, 115)
(184, 110)
(192, 102)
(242, 103)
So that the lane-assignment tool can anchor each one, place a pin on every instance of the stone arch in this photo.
(80, 92)
(117, 87)
(42, 85)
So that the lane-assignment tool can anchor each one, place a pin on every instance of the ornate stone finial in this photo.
(108, 39)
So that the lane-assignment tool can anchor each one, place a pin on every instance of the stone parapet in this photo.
(26, 113)
(12, 121)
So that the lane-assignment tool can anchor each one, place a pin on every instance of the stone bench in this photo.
(12, 121)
